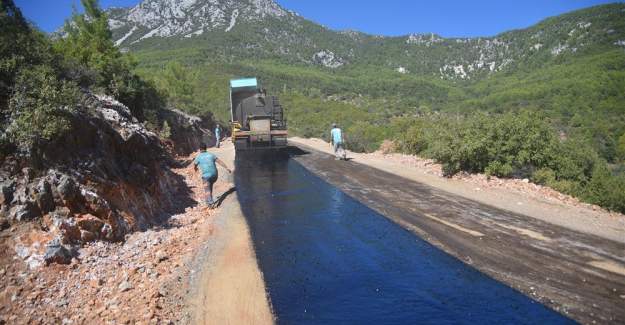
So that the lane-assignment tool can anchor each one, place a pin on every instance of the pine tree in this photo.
(88, 41)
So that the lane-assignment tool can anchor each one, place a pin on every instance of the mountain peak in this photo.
(240, 29)
(166, 18)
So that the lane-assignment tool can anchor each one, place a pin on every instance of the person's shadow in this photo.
(223, 196)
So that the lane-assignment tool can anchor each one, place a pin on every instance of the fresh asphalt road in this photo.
(328, 258)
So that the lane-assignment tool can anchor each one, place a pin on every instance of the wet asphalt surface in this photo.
(329, 259)
(563, 269)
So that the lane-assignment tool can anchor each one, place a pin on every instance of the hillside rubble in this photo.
(141, 280)
(97, 226)
(187, 131)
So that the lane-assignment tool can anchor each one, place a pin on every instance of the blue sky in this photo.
(389, 17)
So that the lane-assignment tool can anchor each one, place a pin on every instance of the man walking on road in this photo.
(206, 161)
(217, 135)
(337, 142)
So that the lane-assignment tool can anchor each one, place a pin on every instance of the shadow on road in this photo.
(223, 196)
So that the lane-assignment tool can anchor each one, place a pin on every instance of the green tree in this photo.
(88, 41)
(20, 46)
(605, 189)
(35, 96)
(41, 106)
(88, 44)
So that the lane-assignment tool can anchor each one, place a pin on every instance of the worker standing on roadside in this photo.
(217, 135)
(337, 142)
(206, 161)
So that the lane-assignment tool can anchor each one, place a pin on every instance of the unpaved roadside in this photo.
(512, 195)
(230, 288)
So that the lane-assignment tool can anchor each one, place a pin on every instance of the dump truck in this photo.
(257, 119)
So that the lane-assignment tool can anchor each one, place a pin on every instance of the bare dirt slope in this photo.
(578, 274)
(513, 195)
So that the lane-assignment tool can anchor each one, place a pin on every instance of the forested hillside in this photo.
(545, 102)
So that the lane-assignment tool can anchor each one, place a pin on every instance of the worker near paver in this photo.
(336, 136)
(217, 135)
(206, 162)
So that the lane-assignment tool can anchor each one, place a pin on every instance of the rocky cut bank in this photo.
(106, 178)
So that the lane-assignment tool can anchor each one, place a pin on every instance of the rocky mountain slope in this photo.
(248, 29)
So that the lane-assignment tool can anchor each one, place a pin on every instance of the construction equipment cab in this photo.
(257, 119)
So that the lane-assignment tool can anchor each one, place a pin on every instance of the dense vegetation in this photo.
(516, 144)
(35, 94)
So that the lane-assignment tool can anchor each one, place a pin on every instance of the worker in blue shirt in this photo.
(217, 135)
(336, 136)
(206, 162)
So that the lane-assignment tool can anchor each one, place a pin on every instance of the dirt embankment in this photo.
(518, 196)
(106, 177)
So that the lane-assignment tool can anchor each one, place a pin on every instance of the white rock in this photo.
(559, 49)
(121, 40)
(402, 70)
(167, 18)
(125, 286)
(328, 59)
(233, 19)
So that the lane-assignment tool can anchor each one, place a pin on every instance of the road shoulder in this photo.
(229, 288)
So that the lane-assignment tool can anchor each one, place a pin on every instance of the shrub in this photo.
(574, 160)
(605, 189)
(497, 168)
(165, 130)
(363, 137)
(40, 106)
(387, 147)
(544, 176)
(516, 145)
(413, 139)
